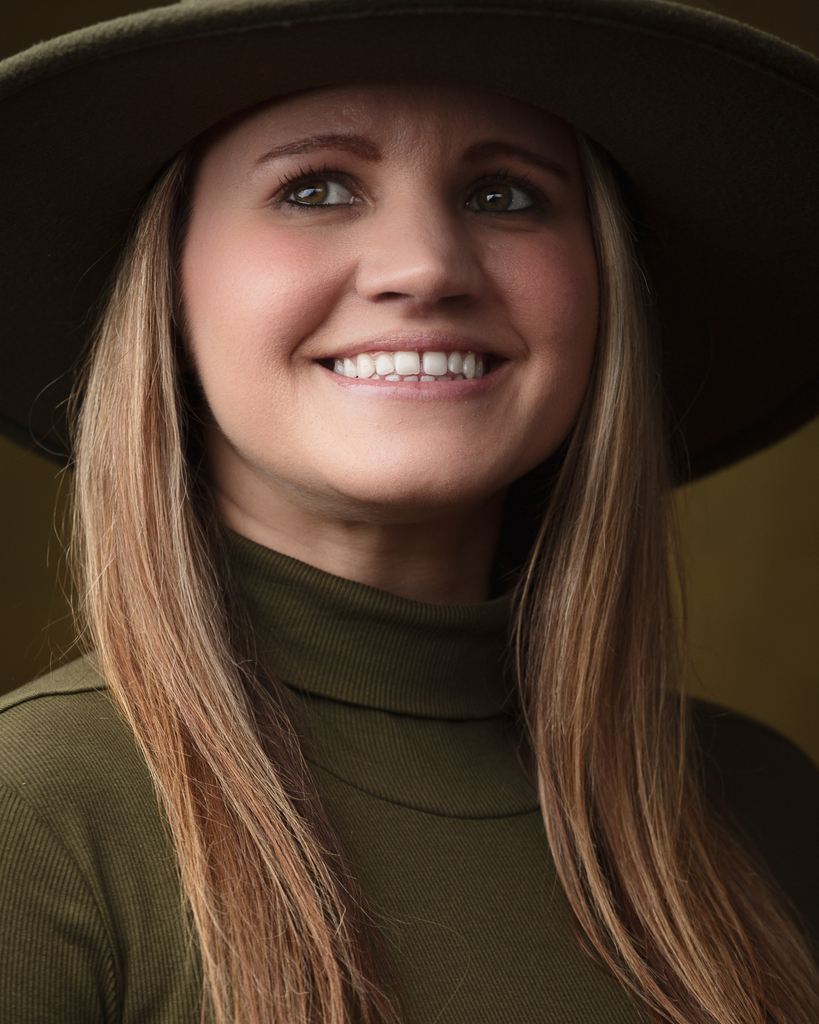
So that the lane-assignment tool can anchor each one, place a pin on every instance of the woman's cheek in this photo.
(251, 296)
(552, 294)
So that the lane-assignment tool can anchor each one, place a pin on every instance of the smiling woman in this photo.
(443, 231)
(382, 712)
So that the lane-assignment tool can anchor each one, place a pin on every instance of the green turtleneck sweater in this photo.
(402, 707)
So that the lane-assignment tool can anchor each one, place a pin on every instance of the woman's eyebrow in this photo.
(351, 143)
(367, 149)
(482, 150)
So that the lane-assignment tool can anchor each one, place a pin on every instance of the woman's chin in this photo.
(399, 500)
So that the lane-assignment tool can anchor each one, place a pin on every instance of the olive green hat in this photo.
(716, 126)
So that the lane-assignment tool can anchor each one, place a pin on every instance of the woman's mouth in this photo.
(410, 365)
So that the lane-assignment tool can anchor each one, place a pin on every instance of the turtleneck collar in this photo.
(358, 645)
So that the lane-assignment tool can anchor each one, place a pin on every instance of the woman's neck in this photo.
(439, 559)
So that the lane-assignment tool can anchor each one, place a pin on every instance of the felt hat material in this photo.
(716, 126)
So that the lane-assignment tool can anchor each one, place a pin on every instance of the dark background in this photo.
(751, 536)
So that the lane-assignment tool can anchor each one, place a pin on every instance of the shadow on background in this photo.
(750, 532)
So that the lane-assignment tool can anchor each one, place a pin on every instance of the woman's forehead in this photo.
(392, 116)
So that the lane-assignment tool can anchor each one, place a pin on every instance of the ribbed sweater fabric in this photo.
(403, 707)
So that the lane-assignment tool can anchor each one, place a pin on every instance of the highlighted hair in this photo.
(664, 898)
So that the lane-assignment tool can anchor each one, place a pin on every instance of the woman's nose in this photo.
(419, 253)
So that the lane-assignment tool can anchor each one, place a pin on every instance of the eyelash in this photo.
(288, 183)
(505, 177)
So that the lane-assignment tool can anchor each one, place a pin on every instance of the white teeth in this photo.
(365, 366)
(435, 363)
(407, 363)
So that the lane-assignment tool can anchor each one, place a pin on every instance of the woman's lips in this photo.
(421, 387)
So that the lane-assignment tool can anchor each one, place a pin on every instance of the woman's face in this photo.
(336, 228)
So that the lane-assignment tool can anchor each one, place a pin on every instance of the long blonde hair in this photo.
(663, 896)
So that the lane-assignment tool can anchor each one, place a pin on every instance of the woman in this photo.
(376, 377)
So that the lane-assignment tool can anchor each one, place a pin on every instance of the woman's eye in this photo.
(320, 192)
(499, 198)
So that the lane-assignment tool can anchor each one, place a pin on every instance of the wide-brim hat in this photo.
(715, 124)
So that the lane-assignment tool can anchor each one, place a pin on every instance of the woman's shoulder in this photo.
(70, 763)
(752, 763)
(75, 678)
(770, 789)
(88, 880)
(64, 728)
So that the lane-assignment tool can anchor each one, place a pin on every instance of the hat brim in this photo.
(715, 124)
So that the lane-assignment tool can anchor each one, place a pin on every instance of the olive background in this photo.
(750, 533)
